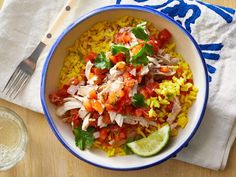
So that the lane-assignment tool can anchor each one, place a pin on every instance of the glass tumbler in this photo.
(13, 138)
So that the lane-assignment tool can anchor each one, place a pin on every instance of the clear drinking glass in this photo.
(13, 138)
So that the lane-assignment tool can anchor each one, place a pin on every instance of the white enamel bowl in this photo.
(186, 45)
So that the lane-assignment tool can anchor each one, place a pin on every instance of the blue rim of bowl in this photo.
(81, 19)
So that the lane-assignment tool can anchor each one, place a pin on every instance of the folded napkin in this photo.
(23, 23)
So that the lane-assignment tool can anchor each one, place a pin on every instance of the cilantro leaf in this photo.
(139, 31)
(140, 60)
(138, 100)
(102, 62)
(84, 139)
(141, 57)
(115, 49)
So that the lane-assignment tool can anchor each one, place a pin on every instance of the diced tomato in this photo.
(154, 44)
(138, 112)
(93, 123)
(117, 58)
(93, 94)
(90, 57)
(144, 92)
(103, 133)
(63, 91)
(106, 118)
(55, 99)
(169, 107)
(95, 115)
(58, 96)
(112, 98)
(183, 93)
(73, 111)
(118, 132)
(163, 37)
(189, 81)
(77, 121)
(127, 75)
(122, 135)
(109, 107)
(151, 37)
(151, 87)
(98, 71)
(136, 49)
(126, 38)
(139, 78)
(121, 93)
(88, 106)
(179, 72)
(96, 105)
(123, 38)
(100, 78)
(164, 69)
(129, 110)
(138, 68)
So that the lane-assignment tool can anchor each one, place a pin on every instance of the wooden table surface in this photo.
(46, 157)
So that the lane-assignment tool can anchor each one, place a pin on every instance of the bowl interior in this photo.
(185, 46)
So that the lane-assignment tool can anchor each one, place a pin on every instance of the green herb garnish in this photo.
(115, 49)
(140, 32)
(138, 100)
(84, 139)
(102, 62)
(141, 57)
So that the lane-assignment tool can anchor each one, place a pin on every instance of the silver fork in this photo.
(26, 68)
(23, 72)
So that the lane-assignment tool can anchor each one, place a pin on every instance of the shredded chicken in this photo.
(138, 120)
(175, 111)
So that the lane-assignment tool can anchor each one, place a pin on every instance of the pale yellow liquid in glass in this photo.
(9, 139)
(13, 139)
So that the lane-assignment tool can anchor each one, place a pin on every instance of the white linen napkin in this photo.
(23, 23)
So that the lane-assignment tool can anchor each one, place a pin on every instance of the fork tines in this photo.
(16, 82)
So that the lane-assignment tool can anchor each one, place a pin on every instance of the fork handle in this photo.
(59, 20)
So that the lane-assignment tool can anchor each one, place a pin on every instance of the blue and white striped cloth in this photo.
(24, 22)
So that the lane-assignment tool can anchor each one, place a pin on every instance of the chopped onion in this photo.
(85, 123)
(112, 115)
(119, 119)
(96, 135)
(133, 72)
(72, 89)
(88, 68)
(144, 70)
(100, 122)
(68, 106)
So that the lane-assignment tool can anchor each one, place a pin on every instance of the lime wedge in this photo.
(152, 144)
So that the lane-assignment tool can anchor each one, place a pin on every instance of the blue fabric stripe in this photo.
(211, 69)
(228, 18)
(118, 1)
(140, 0)
(212, 47)
(209, 78)
(211, 56)
(160, 6)
(230, 10)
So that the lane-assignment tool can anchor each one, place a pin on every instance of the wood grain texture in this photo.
(46, 157)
